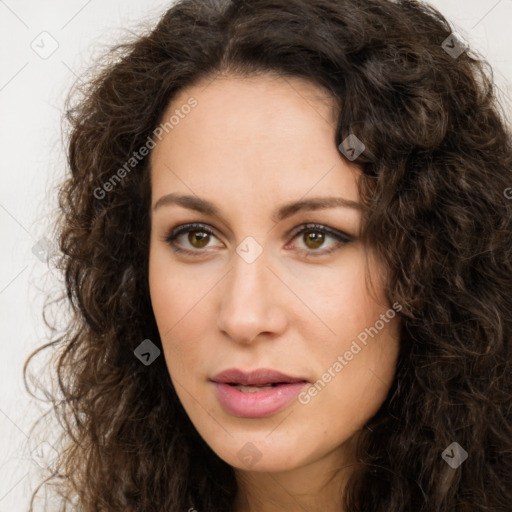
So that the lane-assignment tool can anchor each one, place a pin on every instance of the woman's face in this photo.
(254, 294)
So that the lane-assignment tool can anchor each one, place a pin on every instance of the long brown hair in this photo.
(436, 167)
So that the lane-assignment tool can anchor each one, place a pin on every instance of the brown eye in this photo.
(198, 237)
(198, 241)
(314, 239)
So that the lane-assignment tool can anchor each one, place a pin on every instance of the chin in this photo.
(260, 454)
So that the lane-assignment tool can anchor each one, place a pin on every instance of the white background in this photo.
(32, 90)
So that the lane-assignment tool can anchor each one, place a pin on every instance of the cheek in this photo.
(173, 297)
(357, 359)
(340, 305)
(173, 319)
(368, 359)
(182, 313)
(352, 389)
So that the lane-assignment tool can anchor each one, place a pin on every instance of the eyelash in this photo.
(340, 236)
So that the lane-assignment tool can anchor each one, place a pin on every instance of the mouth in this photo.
(256, 394)
(259, 387)
(261, 377)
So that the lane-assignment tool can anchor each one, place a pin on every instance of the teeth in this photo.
(253, 389)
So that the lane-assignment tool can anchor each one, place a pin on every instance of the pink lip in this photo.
(260, 403)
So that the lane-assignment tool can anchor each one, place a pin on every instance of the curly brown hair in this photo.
(436, 165)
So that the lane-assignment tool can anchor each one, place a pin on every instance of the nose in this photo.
(252, 301)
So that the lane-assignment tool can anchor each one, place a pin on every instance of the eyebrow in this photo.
(283, 212)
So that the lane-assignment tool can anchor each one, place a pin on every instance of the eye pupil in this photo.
(202, 238)
(315, 237)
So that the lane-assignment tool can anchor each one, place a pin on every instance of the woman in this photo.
(224, 355)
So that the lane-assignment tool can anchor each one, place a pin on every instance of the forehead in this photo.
(252, 135)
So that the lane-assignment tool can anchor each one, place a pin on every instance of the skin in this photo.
(284, 310)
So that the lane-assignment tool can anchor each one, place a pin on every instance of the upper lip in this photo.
(260, 376)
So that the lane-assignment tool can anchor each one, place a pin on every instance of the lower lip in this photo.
(258, 404)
